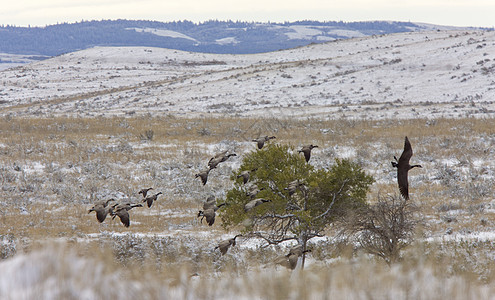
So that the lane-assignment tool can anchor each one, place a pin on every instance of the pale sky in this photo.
(439, 12)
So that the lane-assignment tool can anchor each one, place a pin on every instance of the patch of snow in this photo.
(346, 33)
(164, 32)
(227, 40)
(325, 38)
(458, 237)
(301, 32)
(345, 151)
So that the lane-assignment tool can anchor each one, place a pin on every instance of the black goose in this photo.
(403, 167)
(261, 140)
(203, 175)
(122, 210)
(225, 244)
(220, 157)
(307, 151)
(149, 200)
(145, 192)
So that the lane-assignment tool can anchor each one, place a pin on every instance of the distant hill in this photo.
(210, 37)
(434, 74)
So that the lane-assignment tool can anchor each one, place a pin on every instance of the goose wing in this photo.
(403, 182)
(149, 201)
(124, 217)
(214, 161)
(407, 153)
(245, 176)
(307, 153)
(101, 214)
(203, 175)
(293, 261)
(210, 216)
(224, 246)
(260, 141)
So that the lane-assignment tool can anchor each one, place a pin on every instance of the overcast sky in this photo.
(440, 12)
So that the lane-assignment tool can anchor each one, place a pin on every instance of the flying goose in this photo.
(253, 203)
(245, 175)
(290, 260)
(208, 212)
(293, 185)
(122, 210)
(145, 191)
(220, 157)
(203, 175)
(210, 203)
(307, 151)
(225, 244)
(261, 140)
(253, 191)
(102, 209)
(403, 167)
(149, 200)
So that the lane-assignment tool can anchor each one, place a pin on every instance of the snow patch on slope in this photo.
(164, 32)
(227, 40)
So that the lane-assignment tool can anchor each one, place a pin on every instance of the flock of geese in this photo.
(111, 207)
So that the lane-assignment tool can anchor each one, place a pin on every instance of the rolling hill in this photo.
(436, 73)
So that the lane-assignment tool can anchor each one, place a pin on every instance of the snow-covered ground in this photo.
(405, 75)
(408, 75)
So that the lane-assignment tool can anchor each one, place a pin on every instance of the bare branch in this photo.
(272, 240)
(333, 200)
(276, 216)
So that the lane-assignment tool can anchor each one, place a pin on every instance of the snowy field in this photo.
(76, 128)
(406, 75)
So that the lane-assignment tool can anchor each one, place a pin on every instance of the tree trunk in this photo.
(304, 237)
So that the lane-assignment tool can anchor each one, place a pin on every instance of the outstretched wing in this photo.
(210, 216)
(407, 153)
(203, 176)
(403, 182)
(101, 214)
(293, 261)
(124, 217)
(307, 154)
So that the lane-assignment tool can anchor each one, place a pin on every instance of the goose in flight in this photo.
(403, 167)
(306, 150)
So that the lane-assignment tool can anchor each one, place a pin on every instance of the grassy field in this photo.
(52, 169)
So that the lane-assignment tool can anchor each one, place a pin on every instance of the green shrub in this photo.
(323, 195)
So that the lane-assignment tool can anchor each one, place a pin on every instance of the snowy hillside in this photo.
(441, 73)
(212, 36)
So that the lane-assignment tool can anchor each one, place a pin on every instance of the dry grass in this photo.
(51, 170)
(93, 273)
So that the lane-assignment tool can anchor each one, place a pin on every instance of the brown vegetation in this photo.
(53, 169)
